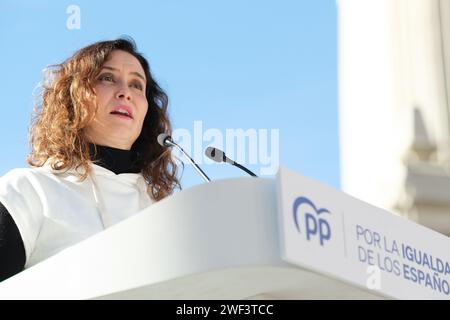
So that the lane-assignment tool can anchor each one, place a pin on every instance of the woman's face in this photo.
(122, 104)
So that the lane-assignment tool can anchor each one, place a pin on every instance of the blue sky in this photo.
(250, 65)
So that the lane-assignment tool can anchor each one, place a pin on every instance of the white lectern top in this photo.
(213, 241)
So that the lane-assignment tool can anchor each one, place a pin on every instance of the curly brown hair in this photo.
(68, 104)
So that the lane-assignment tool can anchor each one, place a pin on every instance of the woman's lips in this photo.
(123, 109)
(121, 116)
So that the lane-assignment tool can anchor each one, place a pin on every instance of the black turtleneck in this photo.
(12, 250)
(115, 160)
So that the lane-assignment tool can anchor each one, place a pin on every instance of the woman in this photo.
(94, 155)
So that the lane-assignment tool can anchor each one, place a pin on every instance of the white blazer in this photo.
(53, 210)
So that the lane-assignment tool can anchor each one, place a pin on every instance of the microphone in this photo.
(165, 140)
(219, 156)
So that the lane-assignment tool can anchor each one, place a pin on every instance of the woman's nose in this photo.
(123, 93)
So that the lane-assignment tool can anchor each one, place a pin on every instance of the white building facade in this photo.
(394, 89)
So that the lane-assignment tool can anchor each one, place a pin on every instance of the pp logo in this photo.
(315, 225)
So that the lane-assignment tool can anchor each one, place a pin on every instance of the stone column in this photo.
(394, 66)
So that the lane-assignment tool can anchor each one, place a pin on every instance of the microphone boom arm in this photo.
(243, 168)
(219, 156)
(199, 170)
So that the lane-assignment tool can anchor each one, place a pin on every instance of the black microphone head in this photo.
(215, 154)
(162, 139)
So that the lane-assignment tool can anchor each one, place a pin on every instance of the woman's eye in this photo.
(137, 86)
(106, 78)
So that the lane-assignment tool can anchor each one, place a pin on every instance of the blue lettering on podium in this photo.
(314, 225)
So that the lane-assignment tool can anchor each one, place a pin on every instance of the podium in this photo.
(219, 240)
